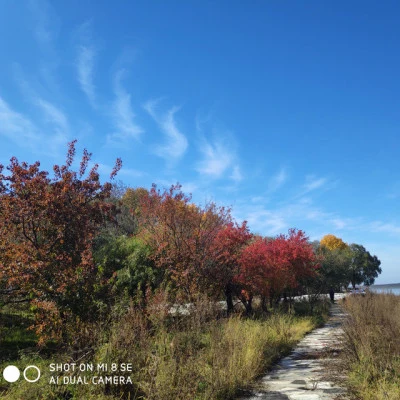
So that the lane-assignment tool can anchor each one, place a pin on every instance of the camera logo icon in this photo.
(12, 373)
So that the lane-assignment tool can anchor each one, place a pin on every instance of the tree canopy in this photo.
(72, 246)
(331, 242)
(46, 233)
(364, 267)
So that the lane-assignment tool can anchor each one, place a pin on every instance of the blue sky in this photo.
(288, 111)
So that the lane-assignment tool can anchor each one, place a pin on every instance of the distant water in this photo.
(391, 288)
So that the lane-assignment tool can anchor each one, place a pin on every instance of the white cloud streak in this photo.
(45, 22)
(278, 180)
(176, 142)
(314, 183)
(17, 127)
(379, 226)
(123, 115)
(57, 119)
(217, 159)
(236, 174)
(86, 55)
(85, 66)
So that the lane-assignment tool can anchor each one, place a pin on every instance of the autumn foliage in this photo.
(271, 266)
(331, 242)
(46, 233)
(181, 235)
(71, 247)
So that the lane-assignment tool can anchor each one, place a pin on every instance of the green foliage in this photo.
(334, 267)
(126, 263)
(341, 265)
(364, 267)
(14, 334)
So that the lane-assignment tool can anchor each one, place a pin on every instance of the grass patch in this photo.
(14, 333)
(371, 355)
(197, 357)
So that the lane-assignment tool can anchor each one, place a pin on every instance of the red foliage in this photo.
(272, 265)
(181, 235)
(226, 251)
(47, 230)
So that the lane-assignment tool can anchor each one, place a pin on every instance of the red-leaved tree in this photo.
(181, 235)
(223, 267)
(271, 266)
(46, 234)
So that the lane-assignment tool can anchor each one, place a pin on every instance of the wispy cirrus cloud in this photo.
(263, 221)
(16, 127)
(176, 142)
(46, 22)
(236, 174)
(85, 65)
(278, 180)
(313, 183)
(269, 218)
(86, 55)
(387, 227)
(122, 113)
(24, 132)
(54, 116)
(217, 159)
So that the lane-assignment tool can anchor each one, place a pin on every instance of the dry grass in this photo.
(197, 357)
(371, 353)
(202, 358)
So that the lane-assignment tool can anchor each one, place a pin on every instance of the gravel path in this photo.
(302, 374)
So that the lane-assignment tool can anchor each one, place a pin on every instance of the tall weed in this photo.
(371, 353)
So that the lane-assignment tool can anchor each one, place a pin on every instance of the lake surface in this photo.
(391, 288)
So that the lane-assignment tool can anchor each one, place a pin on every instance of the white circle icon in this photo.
(11, 373)
(38, 373)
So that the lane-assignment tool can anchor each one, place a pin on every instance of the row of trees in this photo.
(193, 249)
(69, 242)
(344, 263)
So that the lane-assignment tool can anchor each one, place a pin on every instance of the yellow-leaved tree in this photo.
(331, 242)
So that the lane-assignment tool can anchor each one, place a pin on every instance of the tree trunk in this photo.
(229, 298)
(247, 304)
(264, 304)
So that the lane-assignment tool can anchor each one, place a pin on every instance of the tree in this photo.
(223, 267)
(263, 271)
(332, 242)
(130, 209)
(364, 267)
(180, 235)
(46, 235)
(271, 266)
(126, 264)
(334, 269)
(303, 263)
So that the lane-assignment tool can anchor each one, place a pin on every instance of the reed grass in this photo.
(371, 356)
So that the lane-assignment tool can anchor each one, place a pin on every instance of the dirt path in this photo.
(302, 374)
